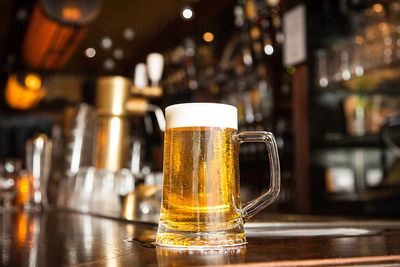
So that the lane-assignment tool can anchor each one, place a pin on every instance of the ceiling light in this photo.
(24, 92)
(268, 49)
(395, 7)
(129, 34)
(377, 8)
(105, 43)
(208, 37)
(273, 2)
(33, 81)
(323, 82)
(359, 40)
(22, 14)
(90, 52)
(118, 53)
(346, 75)
(359, 70)
(109, 64)
(387, 41)
(187, 13)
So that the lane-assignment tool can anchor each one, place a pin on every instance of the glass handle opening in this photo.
(256, 205)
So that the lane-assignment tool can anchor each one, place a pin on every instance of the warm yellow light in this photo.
(20, 96)
(255, 33)
(359, 40)
(23, 190)
(71, 13)
(377, 8)
(22, 228)
(208, 37)
(33, 81)
(383, 27)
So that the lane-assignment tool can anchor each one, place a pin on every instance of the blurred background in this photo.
(323, 76)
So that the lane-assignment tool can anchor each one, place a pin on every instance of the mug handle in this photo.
(256, 205)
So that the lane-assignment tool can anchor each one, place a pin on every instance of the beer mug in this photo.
(201, 205)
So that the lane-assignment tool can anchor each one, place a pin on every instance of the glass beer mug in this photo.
(201, 205)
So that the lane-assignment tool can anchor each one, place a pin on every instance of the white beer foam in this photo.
(201, 115)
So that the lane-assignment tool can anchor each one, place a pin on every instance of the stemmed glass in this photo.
(9, 173)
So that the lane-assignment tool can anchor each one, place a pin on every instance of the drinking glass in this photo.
(201, 205)
(97, 191)
(38, 165)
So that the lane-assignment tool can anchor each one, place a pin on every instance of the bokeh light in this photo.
(208, 37)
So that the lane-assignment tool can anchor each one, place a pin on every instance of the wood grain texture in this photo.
(58, 238)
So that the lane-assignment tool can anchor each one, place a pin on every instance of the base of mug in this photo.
(200, 240)
(219, 247)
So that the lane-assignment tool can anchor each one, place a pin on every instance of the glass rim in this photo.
(204, 104)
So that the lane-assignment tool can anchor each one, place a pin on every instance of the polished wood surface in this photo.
(60, 238)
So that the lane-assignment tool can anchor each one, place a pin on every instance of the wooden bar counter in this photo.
(62, 238)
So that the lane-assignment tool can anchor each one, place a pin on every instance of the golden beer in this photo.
(201, 205)
(201, 185)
